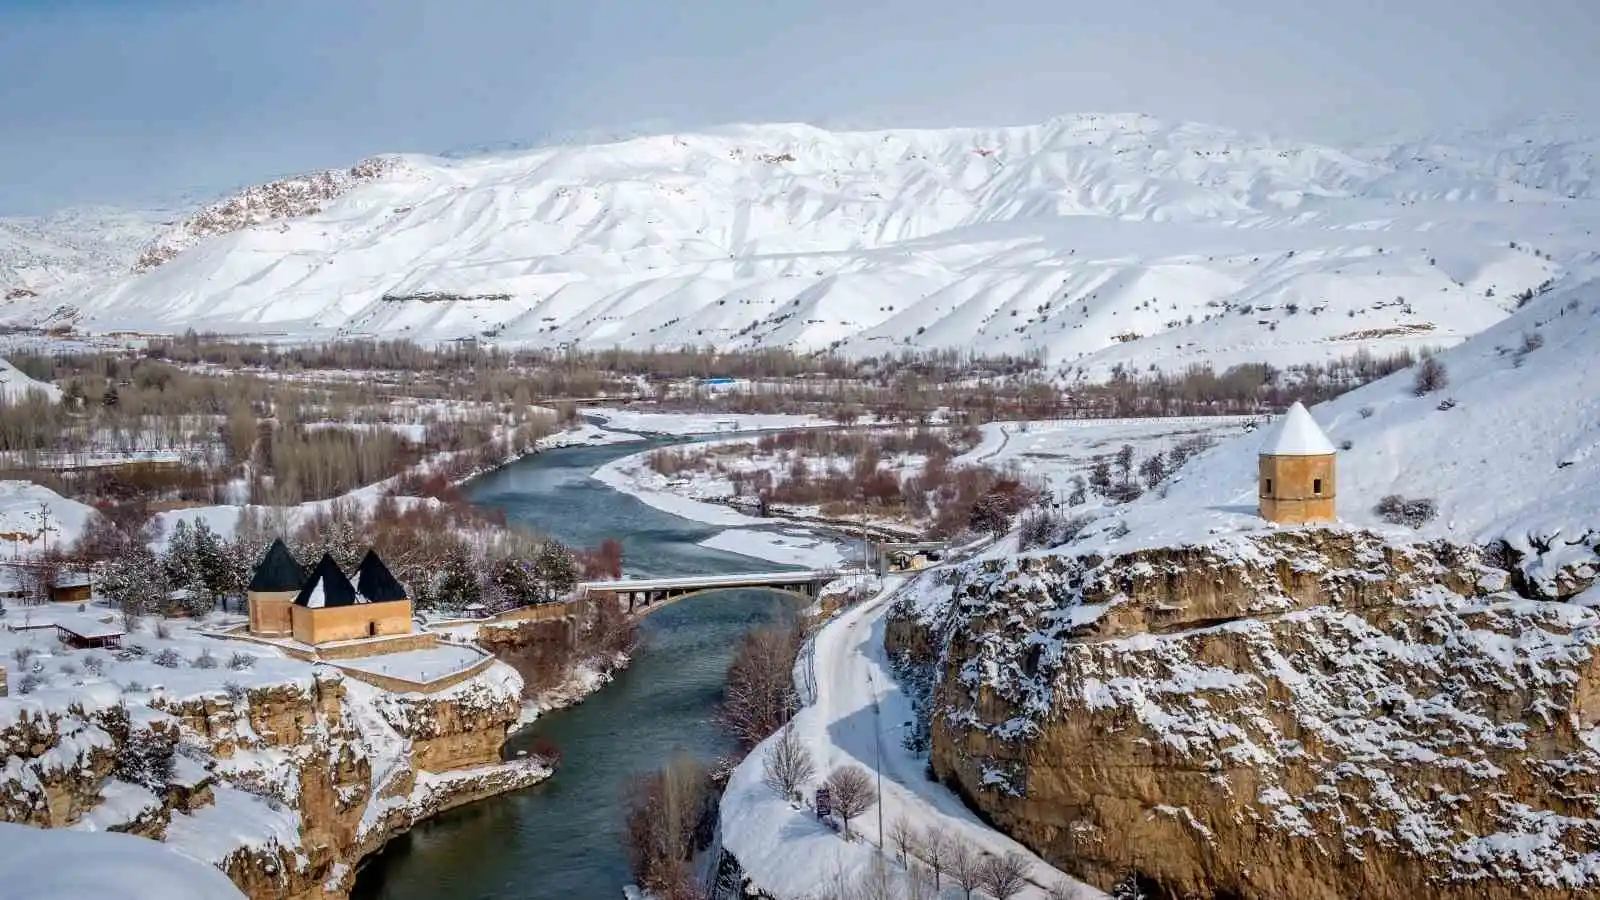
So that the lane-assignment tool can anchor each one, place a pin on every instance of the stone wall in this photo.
(1294, 498)
(346, 623)
(270, 611)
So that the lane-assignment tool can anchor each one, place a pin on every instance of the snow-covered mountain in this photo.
(58, 254)
(1095, 240)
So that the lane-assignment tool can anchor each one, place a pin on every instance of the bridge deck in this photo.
(755, 579)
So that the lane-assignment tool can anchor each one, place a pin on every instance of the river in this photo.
(560, 839)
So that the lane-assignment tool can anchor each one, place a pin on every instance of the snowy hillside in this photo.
(44, 257)
(1509, 448)
(57, 864)
(16, 385)
(1093, 239)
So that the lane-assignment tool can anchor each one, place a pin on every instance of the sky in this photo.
(139, 101)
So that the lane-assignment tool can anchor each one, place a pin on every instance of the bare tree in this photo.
(760, 694)
(852, 793)
(787, 764)
(903, 835)
(936, 846)
(966, 867)
(1005, 876)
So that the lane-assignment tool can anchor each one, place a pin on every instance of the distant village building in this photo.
(324, 605)
(71, 587)
(1296, 471)
(277, 581)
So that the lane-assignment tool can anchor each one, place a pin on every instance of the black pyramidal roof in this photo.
(278, 570)
(327, 587)
(375, 583)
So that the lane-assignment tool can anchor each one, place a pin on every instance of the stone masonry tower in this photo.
(1296, 481)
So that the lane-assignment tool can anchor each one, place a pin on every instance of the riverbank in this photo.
(855, 714)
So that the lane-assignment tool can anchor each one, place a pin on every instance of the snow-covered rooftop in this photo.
(1296, 434)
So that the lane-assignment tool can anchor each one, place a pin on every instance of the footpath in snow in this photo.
(858, 715)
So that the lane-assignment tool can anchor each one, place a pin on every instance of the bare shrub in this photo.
(163, 630)
(787, 764)
(94, 665)
(241, 661)
(22, 654)
(1006, 875)
(29, 683)
(235, 691)
(852, 793)
(1413, 513)
(1431, 376)
(167, 658)
(204, 661)
(1064, 890)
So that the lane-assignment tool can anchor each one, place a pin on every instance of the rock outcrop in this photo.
(1309, 714)
(285, 787)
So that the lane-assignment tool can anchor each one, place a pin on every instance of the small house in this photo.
(71, 587)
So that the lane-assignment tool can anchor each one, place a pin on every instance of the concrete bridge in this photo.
(642, 595)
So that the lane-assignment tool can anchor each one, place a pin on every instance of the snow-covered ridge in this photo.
(286, 198)
(1093, 239)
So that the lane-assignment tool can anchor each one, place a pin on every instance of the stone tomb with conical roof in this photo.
(324, 605)
(1296, 480)
(273, 587)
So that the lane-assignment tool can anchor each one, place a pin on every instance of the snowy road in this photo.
(859, 716)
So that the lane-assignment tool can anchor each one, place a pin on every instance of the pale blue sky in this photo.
(143, 99)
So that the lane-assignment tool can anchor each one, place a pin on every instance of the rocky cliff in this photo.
(285, 787)
(1308, 713)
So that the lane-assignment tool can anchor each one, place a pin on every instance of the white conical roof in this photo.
(1296, 434)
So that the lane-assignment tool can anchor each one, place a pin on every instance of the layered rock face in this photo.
(1311, 714)
(284, 787)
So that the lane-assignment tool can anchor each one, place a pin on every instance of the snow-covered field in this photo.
(57, 864)
(684, 424)
(15, 385)
(795, 547)
(857, 717)
(418, 665)
(1092, 239)
(1058, 450)
(32, 516)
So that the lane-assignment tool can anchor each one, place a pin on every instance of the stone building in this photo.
(1296, 478)
(277, 581)
(331, 608)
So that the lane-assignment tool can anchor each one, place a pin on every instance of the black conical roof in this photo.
(278, 570)
(375, 583)
(327, 587)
